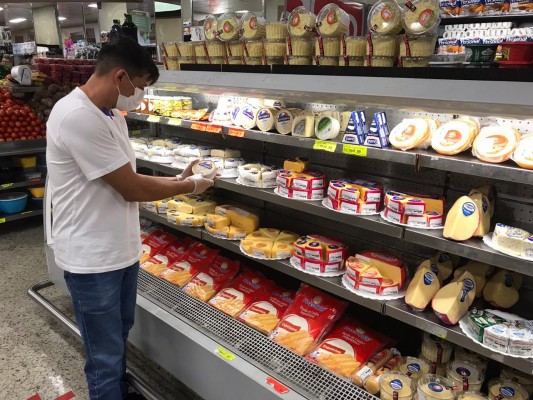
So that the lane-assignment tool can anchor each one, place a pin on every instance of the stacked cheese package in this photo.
(319, 255)
(188, 210)
(226, 161)
(470, 215)
(258, 175)
(332, 23)
(376, 273)
(230, 222)
(295, 181)
(354, 196)
(413, 209)
(300, 42)
(269, 243)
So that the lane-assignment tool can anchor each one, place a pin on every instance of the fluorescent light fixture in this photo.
(161, 6)
(17, 20)
(93, 5)
(61, 18)
(241, 12)
(1, 8)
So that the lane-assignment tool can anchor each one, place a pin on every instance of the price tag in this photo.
(154, 118)
(198, 127)
(174, 121)
(6, 185)
(225, 353)
(325, 146)
(135, 132)
(354, 150)
(2, 220)
(236, 132)
(214, 128)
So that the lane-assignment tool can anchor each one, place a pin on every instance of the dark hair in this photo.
(127, 54)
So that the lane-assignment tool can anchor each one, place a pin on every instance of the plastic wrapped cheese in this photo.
(253, 28)
(523, 154)
(422, 17)
(385, 18)
(435, 387)
(509, 238)
(503, 388)
(333, 21)
(228, 27)
(284, 121)
(453, 137)
(518, 376)
(210, 27)
(495, 144)
(277, 30)
(465, 376)
(410, 133)
(353, 46)
(301, 23)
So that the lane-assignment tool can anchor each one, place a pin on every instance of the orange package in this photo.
(266, 311)
(212, 277)
(194, 260)
(347, 347)
(240, 293)
(307, 320)
(157, 264)
(154, 243)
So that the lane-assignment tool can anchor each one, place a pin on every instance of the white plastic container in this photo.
(253, 27)
(396, 387)
(301, 22)
(435, 387)
(333, 21)
(465, 375)
(435, 349)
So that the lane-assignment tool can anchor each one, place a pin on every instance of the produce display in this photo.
(18, 121)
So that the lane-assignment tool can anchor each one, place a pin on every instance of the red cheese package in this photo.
(347, 347)
(240, 293)
(193, 261)
(173, 252)
(310, 316)
(212, 277)
(265, 313)
(154, 243)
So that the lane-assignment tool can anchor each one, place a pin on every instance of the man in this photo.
(95, 191)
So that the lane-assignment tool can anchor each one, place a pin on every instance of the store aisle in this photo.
(37, 354)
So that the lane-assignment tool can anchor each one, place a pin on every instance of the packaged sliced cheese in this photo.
(372, 383)
(495, 144)
(170, 254)
(310, 316)
(523, 154)
(453, 137)
(192, 262)
(154, 243)
(375, 362)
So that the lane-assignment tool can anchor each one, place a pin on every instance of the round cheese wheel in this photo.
(409, 133)
(327, 128)
(205, 168)
(453, 137)
(248, 117)
(284, 121)
(523, 155)
(495, 144)
(266, 119)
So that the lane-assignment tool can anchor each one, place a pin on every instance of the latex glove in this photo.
(201, 184)
(186, 172)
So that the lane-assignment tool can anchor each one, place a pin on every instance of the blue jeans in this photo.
(104, 304)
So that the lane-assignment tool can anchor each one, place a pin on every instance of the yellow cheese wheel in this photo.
(409, 133)
(453, 137)
(523, 155)
(495, 144)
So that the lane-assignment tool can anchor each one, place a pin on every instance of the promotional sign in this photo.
(355, 11)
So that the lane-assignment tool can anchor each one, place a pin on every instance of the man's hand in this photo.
(187, 172)
(200, 184)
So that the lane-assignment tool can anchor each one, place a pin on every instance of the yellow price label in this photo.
(2, 220)
(174, 121)
(354, 150)
(6, 185)
(225, 353)
(325, 146)
(154, 118)
(136, 132)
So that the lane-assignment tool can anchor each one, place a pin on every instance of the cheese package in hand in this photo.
(310, 316)
(452, 301)
(192, 262)
(266, 311)
(212, 278)
(481, 271)
(154, 243)
(495, 144)
(245, 289)
(422, 289)
(207, 169)
(347, 347)
(502, 289)
(463, 220)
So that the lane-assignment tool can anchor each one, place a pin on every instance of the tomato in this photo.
(6, 95)
(13, 135)
(16, 112)
(9, 112)
(9, 140)
(23, 138)
(36, 123)
(2, 113)
(18, 124)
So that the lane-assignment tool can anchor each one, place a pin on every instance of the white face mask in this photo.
(130, 103)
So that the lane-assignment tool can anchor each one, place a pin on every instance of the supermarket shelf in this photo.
(194, 232)
(428, 321)
(373, 223)
(25, 214)
(22, 147)
(16, 185)
(331, 285)
(473, 249)
(450, 20)
(166, 169)
(467, 164)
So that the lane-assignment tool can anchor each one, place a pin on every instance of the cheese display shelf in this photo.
(193, 232)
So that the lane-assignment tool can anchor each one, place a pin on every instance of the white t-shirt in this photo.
(94, 229)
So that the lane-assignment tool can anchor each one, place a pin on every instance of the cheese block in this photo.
(368, 192)
(317, 247)
(236, 233)
(316, 266)
(371, 276)
(452, 301)
(205, 168)
(501, 290)
(414, 203)
(355, 267)
(483, 205)
(258, 248)
(488, 191)
(287, 237)
(258, 175)
(217, 221)
(495, 144)
(222, 232)
(387, 265)
(243, 219)
(282, 250)
(192, 207)
(185, 219)
(353, 207)
(481, 272)
(409, 133)
(343, 190)
(430, 219)
(523, 154)
(270, 233)
(259, 235)
(301, 180)
(423, 287)
(442, 270)
(303, 126)
(266, 119)
(299, 164)
(386, 287)
(301, 194)
(509, 239)
(446, 262)
(284, 122)
(453, 137)
(225, 153)
(463, 220)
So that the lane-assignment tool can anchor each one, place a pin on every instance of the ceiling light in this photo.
(93, 5)
(1, 8)
(17, 20)
(61, 18)
(241, 11)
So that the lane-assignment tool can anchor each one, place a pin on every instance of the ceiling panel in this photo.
(223, 6)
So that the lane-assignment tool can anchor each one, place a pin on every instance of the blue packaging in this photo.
(356, 130)
(378, 135)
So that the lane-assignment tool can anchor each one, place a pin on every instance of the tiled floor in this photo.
(37, 354)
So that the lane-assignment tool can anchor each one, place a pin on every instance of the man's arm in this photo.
(136, 187)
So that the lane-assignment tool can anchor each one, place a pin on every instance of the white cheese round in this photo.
(327, 128)
(205, 168)
(284, 121)
(266, 119)
(248, 117)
